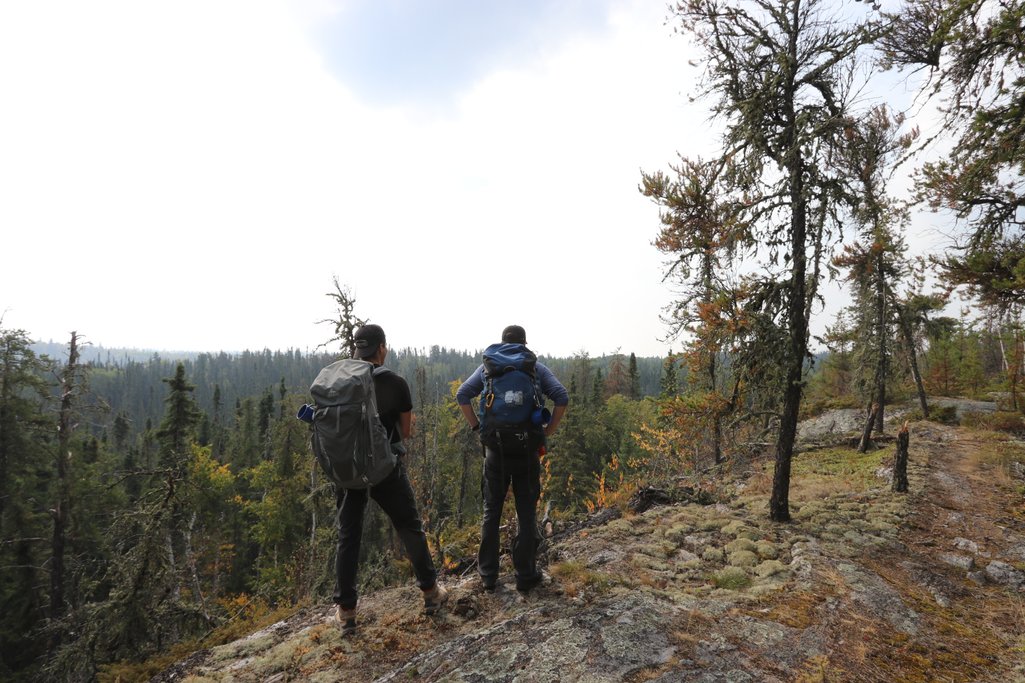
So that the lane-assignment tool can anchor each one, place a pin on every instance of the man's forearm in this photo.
(468, 413)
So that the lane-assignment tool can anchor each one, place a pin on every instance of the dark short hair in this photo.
(514, 334)
(368, 339)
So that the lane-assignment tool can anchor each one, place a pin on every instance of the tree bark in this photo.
(717, 419)
(866, 433)
(909, 341)
(900, 461)
(190, 559)
(880, 378)
(61, 511)
(779, 503)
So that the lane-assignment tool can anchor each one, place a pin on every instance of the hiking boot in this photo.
(434, 598)
(345, 620)
(524, 585)
(488, 584)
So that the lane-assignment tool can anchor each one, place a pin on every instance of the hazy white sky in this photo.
(191, 175)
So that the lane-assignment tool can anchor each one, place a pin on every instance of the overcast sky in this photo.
(192, 175)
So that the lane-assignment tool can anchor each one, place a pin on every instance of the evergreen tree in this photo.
(778, 73)
(180, 419)
(670, 384)
(973, 49)
(25, 431)
(875, 263)
(634, 378)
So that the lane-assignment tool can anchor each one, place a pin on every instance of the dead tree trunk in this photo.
(190, 561)
(900, 461)
(866, 433)
(61, 511)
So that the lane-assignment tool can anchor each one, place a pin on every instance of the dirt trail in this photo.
(964, 539)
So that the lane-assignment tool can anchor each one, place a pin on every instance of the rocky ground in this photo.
(862, 585)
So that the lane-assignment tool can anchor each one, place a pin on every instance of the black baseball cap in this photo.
(514, 334)
(368, 339)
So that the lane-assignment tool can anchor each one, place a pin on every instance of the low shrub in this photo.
(943, 414)
(1007, 421)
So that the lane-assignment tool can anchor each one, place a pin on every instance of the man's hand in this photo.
(557, 414)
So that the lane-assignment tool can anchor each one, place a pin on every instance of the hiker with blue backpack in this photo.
(512, 422)
(361, 414)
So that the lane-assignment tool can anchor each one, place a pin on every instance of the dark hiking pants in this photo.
(524, 475)
(395, 496)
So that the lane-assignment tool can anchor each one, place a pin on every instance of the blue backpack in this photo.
(511, 395)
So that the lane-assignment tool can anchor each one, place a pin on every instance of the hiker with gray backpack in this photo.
(512, 421)
(361, 414)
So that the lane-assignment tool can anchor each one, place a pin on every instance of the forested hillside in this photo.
(147, 500)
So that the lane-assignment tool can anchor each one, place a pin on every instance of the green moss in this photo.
(648, 562)
(767, 550)
(885, 526)
(743, 558)
(770, 568)
(733, 528)
(731, 578)
(741, 544)
(823, 520)
(657, 550)
(574, 575)
(620, 526)
(856, 469)
(677, 533)
(713, 524)
(280, 657)
(241, 649)
(808, 511)
(713, 554)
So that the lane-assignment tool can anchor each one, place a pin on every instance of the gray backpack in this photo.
(349, 440)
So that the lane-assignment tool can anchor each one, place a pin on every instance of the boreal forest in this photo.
(152, 506)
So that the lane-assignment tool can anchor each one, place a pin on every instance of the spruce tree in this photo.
(180, 418)
(778, 74)
(973, 51)
(875, 264)
(634, 378)
(25, 448)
